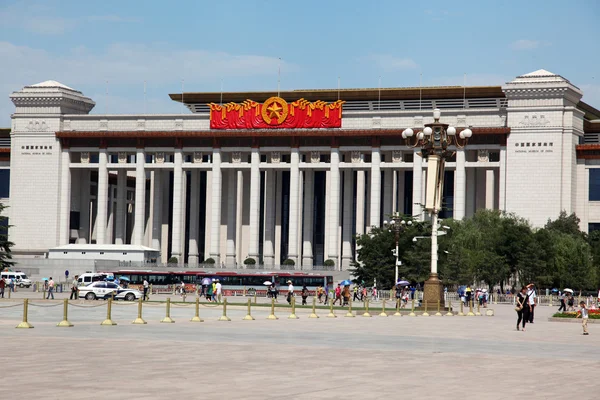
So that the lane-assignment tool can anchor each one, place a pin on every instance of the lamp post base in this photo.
(433, 291)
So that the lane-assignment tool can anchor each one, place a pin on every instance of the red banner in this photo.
(276, 113)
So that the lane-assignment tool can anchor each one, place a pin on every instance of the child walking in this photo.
(584, 317)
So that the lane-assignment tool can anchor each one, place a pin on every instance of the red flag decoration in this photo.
(276, 113)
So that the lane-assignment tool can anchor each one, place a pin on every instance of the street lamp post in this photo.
(435, 141)
(397, 225)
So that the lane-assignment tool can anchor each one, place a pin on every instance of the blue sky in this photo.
(83, 44)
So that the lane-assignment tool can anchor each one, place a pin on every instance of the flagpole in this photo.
(420, 90)
(338, 87)
(279, 77)
(106, 101)
(465, 91)
(379, 95)
(144, 97)
(221, 101)
(182, 103)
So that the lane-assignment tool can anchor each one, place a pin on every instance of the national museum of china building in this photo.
(295, 174)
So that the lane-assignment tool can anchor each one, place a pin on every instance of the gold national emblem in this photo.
(274, 108)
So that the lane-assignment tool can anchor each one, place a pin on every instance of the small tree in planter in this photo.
(329, 263)
(249, 261)
(209, 261)
(172, 260)
(289, 261)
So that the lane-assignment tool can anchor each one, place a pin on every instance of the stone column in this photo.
(293, 219)
(269, 246)
(375, 214)
(502, 180)
(65, 197)
(309, 202)
(194, 216)
(400, 190)
(121, 206)
(490, 189)
(230, 254)
(140, 198)
(84, 230)
(215, 212)
(102, 197)
(255, 203)
(360, 202)
(347, 220)
(157, 196)
(417, 200)
(177, 206)
(461, 179)
(334, 206)
(239, 218)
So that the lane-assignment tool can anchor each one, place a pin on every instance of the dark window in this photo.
(74, 222)
(594, 184)
(4, 183)
(494, 156)
(593, 226)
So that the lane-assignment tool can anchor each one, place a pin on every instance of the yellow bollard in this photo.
(412, 310)
(461, 313)
(397, 313)
(478, 313)
(425, 314)
(167, 319)
(349, 314)
(438, 313)
(43, 293)
(139, 320)
(272, 316)
(249, 317)
(314, 309)
(9, 293)
(150, 291)
(366, 313)
(196, 317)
(331, 313)
(383, 313)
(224, 317)
(25, 324)
(293, 314)
(254, 297)
(65, 322)
(449, 313)
(470, 313)
(496, 299)
(108, 320)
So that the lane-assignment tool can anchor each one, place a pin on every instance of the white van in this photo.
(89, 277)
(19, 278)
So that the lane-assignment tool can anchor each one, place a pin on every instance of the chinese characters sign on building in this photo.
(275, 113)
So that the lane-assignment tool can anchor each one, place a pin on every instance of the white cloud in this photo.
(390, 62)
(527, 44)
(126, 66)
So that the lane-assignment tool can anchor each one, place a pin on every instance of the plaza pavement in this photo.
(359, 358)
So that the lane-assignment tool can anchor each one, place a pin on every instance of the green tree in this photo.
(5, 244)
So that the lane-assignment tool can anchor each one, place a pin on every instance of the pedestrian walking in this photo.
(10, 284)
(146, 287)
(532, 301)
(338, 294)
(326, 293)
(522, 307)
(398, 295)
(74, 289)
(563, 304)
(209, 293)
(320, 293)
(304, 295)
(363, 296)
(2, 286)
(355, 296)
(214, 290)
(583, 313)
(218, 288)
(346, 295)
(50, 289)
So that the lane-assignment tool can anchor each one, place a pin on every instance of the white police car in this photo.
(104, 290)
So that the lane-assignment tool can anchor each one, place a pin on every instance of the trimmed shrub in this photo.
(249, 261)
(329, 263)
(172, 260)
(209, 261)
(289, 261)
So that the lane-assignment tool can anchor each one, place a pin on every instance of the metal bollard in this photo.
(349, 314)
(224, 317)
(366, 313)
(438, 313)
(470, 313)
(9, 292)
(426, 314)
(272, 315)
(314, 309)
(254, 297)
(397, 313)
(293, 314)
(65, 322)
(461, 313)
(108, 320)
(383, 313)
(167, 319)
(449, 313)
(139, 320)
(43, 293)
(478, 313)
(249, 317)
(331, 313)
(412, 310)
(196, 317)
(25, 324)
